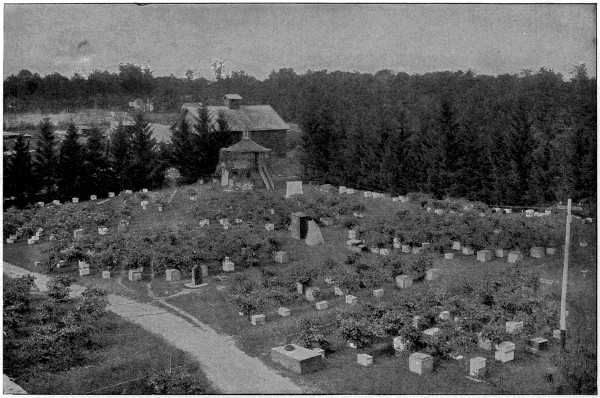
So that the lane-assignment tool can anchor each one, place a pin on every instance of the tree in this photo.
(97, 172)
(71, 168)
(19, 181)
(120, 157)
(218, 67)
(186, 156)
(146, 169)
(45, 161)
(321, 140)
(136, 80)
(211, 138)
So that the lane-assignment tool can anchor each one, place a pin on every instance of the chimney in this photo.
(232, 101)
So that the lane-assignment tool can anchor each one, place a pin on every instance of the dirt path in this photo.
(230, 369)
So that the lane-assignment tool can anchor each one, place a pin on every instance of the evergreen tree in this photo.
(19, 174)
(45, 161)
(120, 158)
(146, 169)
(521, 146)
(211, 139)
(186, 156)
(71, 174)
(203, 129)
(97, 172)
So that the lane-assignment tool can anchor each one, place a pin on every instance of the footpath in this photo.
(229, 368)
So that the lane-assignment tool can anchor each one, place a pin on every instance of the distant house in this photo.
(9, 139)
(266, 127)
(138, 104)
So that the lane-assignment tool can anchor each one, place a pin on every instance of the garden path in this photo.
(230, 369)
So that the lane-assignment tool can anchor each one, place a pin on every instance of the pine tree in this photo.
(210, 141)
(226, 137)
(321, 139)
(71, 172)
(521, 146)
(186, 155)
(120, 158)
(19, 174)
(97, 172)
(45, 161)
(146, 169)
(203, 128)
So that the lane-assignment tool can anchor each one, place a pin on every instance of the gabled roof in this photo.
(160, 132)
(245, 118)
(10, 134)
(246, 145)
(233, 96)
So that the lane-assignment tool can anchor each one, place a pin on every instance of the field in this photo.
(215, 304)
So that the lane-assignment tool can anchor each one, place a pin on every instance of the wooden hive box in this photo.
(300, 360)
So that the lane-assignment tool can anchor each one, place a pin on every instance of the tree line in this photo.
(506, 140)
(29, 92)
(48, 169)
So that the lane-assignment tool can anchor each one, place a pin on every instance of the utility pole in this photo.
(563, 297)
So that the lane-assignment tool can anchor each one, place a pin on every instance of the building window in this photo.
(246, 135)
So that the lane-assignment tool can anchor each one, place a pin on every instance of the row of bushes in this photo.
(64, 219)
(256, 206)
(180, 246)
(483, 308)
(356, 273)
(494, 231)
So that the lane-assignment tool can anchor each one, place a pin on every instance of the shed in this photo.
(245, 162)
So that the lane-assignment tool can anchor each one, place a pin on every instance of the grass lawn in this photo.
(127, 352)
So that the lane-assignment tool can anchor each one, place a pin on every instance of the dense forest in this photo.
(508, 140)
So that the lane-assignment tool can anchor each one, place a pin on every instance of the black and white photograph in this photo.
(299, 199)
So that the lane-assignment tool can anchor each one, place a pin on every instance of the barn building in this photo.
(266, 127)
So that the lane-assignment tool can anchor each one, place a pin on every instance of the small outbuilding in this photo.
(245, 162)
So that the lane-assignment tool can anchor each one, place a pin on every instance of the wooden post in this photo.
(563, 297)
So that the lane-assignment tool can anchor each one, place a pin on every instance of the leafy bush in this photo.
(576, 366)
(59, 287)
(311, 335)
(250, 303)
(165, 382)
(16, 299)
(419, 268)
(359, 331)
(55, 334)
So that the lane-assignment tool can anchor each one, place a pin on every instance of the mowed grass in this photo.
(389, 374)
(128, 355)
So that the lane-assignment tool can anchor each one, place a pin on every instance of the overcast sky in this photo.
(490, 39)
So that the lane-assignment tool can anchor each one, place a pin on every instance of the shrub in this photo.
(420, 267)
(359, 331)
(310, 335)
(250, 303)
(59, 287)
(165, 382)
(279, 295)
(445, 342)
(576, 366)
(16, 299)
